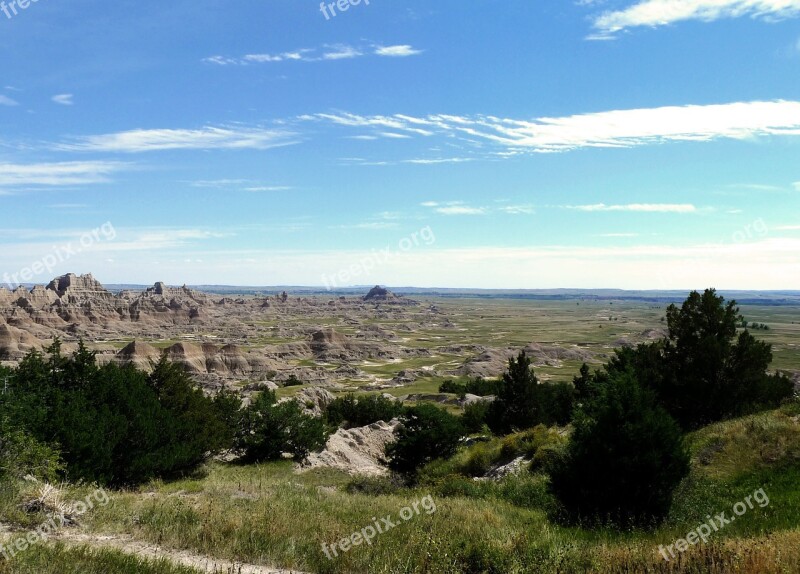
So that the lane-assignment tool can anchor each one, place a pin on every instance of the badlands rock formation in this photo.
(333, 342)
(357, 451)
(217, 339)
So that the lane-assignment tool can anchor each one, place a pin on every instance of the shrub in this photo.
(624, 460)
(475, 416)
(426, 433)
(523, 403)
(22, 455)
(478, 386)
(479, 460)
(451, 386)
(361, 411)
(483, 387)
(111, 424)
(270, 429)
(292, 381)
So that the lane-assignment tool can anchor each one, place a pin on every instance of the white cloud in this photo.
(655, 13)
(134, 141)
(342, 53)
(400, 51)
(6, 101)
(330, 52)
(57, 174)
(423, 161)
(454, 208)
(63, 99)
(796, 185)
(221, 61)
(238, 184)
(611, 129)
(460, 210)
(639, 207)
(518, 209)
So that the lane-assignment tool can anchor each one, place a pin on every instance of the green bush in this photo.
(523, 403)
(475, 416)
(270, 429)
(361, 411)
(478, 386)
(22, 455)
(426, 433)
(113, 425)
(293, 381)
(480, 459)
(625, 458)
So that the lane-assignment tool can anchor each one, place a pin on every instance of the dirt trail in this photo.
(149, 551)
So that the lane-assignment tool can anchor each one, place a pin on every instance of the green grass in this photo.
(267, 514)
(49, 559)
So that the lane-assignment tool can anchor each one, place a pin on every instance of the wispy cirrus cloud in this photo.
(610, 129)
(400, 51)
(638, 207)
(328, 52)
(57, 174)
(654, 13)
(6, 101)
(142, 140)
(63, 99)
(461, 208)
(238, 185)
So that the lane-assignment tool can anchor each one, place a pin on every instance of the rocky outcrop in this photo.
(72, 289)
(357, 451)
(314, 400)
(140, 355)
(379, 293)
(16, 343)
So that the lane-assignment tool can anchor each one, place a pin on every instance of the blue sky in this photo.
(516, 144)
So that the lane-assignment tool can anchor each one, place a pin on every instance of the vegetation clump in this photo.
(112, 425)
(352, 411)
(269, 429)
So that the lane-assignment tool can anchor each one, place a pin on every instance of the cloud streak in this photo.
(63, 99)
(639, 207)
(57, 174)
(136, 141)
(329, 52)
(655, 13)
(610, 129)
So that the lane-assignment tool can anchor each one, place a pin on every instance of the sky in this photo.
(636, 144)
